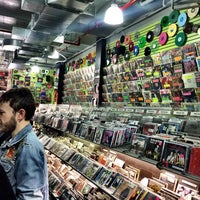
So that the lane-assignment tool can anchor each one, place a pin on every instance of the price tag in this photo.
(130, 110)
(164, 112)
(139, 110)
(195, 114)
(151, 111)
(184, 113)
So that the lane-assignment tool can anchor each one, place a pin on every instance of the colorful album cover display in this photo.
(175, 156)
(154, 149)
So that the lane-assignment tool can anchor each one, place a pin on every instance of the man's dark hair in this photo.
(20, 98)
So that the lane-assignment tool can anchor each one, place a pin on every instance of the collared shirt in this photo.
(23, 158)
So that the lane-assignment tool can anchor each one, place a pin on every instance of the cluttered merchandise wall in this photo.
(43, 82)
(128, 127)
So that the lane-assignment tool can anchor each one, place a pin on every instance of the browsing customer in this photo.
(22, 155)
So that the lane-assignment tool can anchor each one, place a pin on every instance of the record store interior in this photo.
(117, 89)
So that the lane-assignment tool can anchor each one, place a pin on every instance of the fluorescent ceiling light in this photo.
(113, 15)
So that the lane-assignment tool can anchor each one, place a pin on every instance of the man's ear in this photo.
(21, 114)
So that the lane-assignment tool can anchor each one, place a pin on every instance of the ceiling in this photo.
(39, 22)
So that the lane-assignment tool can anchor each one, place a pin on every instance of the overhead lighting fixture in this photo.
(54, 54)
(114, 15)
(9, 44)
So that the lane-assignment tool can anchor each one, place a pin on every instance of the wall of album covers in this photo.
(124, 139)
(157, 65)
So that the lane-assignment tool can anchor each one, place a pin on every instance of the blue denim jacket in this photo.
(24, 160)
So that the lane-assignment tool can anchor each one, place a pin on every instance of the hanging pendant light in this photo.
(113, 15)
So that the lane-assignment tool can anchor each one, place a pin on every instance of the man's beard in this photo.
(9, 126)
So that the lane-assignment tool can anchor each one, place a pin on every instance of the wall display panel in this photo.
(171, 56)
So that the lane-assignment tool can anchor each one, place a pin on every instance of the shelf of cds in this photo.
(167, 140)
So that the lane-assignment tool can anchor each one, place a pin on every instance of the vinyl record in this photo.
(131, 46)
(108, 51)
(141, 41)
(195, 28)
(149, 36)
(182, 19)
(188, 27)
(193, 12)
(122, 38)
(180, 39)
(147, 51)
(157, 29)
(114, 50)
(163, 38)
(127, 39)
(137, 36)
(108, 61)
(173, 17)
(127, 56)
(136, 50)
(198, 31)
(164, 21)
(118, 43)
(154, 46)
(172, 30)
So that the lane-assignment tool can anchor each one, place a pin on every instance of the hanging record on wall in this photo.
(193, 12)
(127, 39)
(136, 50)
(147, 51)
(157, 29)
(173, 17)
(131, 46)
(180, 39)
(142, 42)
(149, 36)
(172, 30)
(163, 38)
(118, 43)
(154, 46)
(122, 38)
(164, 21)
(127, 56)
(195, 28)
(182, 19)
(188, 27)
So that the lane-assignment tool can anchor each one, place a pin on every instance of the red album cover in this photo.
(194, 163)
(177, 82)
